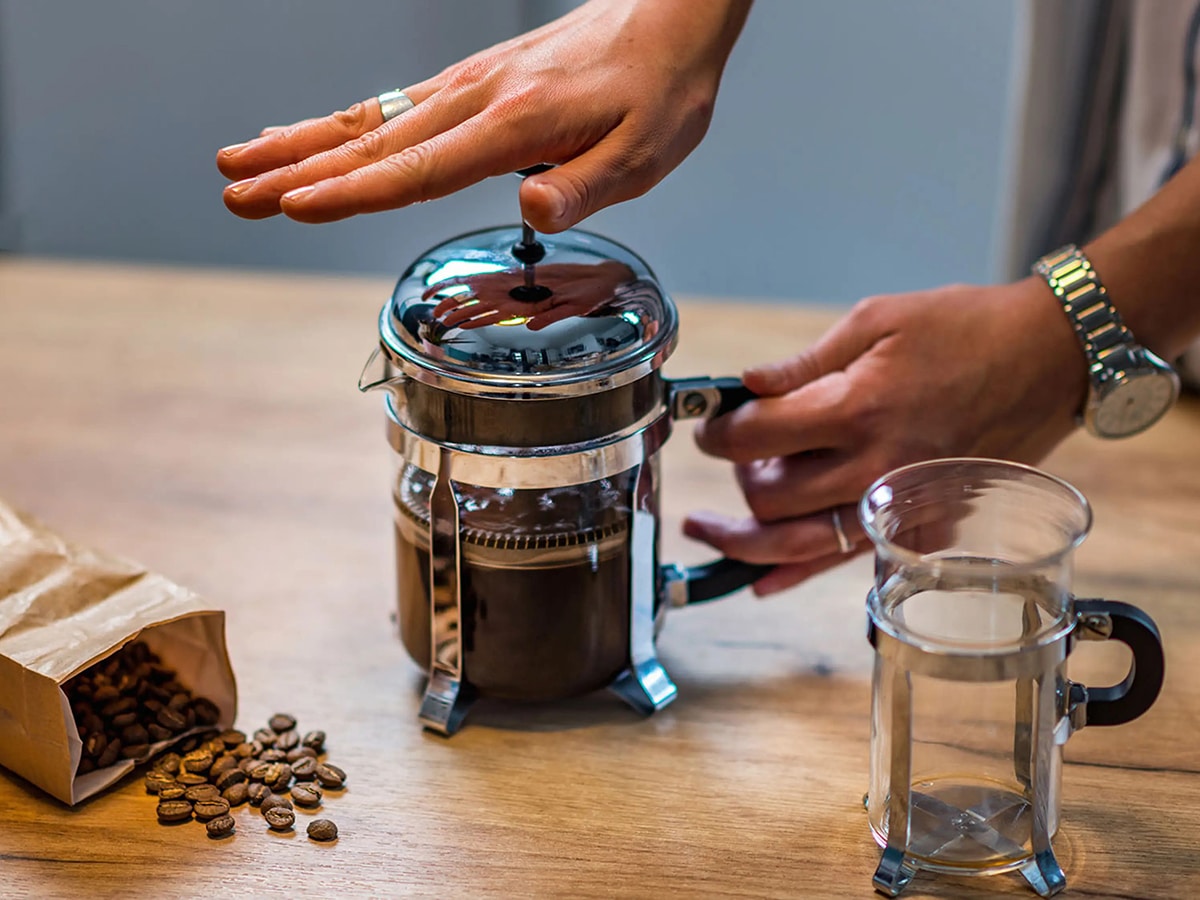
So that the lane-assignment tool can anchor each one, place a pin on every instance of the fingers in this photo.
(283, 145)
(799, 540)
(791, 574)
(296, 156)
(815, 417)
(848, 339)
(788, 487)
(434, 163)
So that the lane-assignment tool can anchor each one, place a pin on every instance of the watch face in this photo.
(1134, 404)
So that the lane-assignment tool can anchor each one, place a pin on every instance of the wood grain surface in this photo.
(207, 423)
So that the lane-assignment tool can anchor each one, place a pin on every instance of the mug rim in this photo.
(882, 542)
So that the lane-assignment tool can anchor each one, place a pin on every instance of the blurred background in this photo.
(858, 146)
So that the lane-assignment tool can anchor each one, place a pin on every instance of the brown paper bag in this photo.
(63, 608)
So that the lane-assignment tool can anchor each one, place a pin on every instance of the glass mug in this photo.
(972, 619)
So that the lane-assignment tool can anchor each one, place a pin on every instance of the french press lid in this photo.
(505, 311)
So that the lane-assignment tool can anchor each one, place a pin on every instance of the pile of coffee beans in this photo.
(213, 774)
(128, 702)
(125, 704)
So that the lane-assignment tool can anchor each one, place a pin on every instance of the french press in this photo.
(972, 620)
(526, 408)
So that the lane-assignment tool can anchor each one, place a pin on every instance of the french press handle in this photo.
(1112, 620)
(695, 398)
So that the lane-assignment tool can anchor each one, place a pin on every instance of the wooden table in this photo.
(207, 423)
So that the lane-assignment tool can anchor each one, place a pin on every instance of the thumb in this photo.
(561, 197)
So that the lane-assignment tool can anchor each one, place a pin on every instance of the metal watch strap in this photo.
(1107, 343)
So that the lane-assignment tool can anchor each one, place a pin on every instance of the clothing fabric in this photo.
(1103, 110)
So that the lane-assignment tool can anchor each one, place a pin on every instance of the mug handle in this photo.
(695, 398)
(1136, 692)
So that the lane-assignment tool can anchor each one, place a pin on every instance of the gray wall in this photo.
(856, 148)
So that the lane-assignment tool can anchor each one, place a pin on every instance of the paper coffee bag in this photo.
(65, 607)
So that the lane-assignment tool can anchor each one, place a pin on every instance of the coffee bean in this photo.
(281, 722)
(220, 827)
(171, 719)
(105, 693)
(247, 764)
(242, 751)
(119, 708)
(188, 779)
(257, 792)
(233, 738)
(135, 734)
(270, 773)
(280, 818)
(259, 771)
(86, 765)
(266, 737)
(222, 763)
(124, 720)
(135, 751)
(306, 795)
(210, 809)
(189, 744)
(179, 701)
(172, 792)
(197, 761)
(156, 780)
(157, 733)
(271, 801)
(168, 762)
(110, 755)
(206, 711)
(215, 746)
(229, 778)
(198, 792)
(282, 779)
(298, 753)
(95, 744)
(174, 811)
(322, 830)
(287, 740)
(314, 739)
(272, 755)
(257, 747)
(236, 794)
(304, 769)
(330, 776)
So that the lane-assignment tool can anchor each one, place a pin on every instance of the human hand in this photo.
(577, 290)
(957, 371)
(616, 93)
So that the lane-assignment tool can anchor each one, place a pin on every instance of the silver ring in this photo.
(835, 515)
(394, 103)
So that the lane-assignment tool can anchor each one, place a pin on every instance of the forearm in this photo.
(1150, 264)
(700, 33)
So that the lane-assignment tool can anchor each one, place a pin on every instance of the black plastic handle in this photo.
(722, 576)
(691, 398)
(1137, 692)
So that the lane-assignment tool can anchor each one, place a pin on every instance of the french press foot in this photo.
(448, 695)
(645, 685)
(445, 703)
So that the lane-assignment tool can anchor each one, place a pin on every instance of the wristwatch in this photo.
(1129, 388)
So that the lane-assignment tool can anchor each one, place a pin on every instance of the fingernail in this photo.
(769, 377)
(240, 187)
(556, 201)
(298, 194)
(233, 148)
